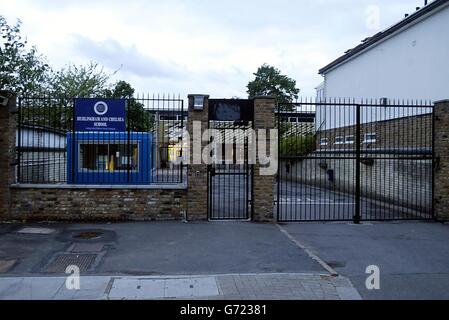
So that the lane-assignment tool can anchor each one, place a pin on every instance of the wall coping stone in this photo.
(264, 97)
(442, 101)
(178, 186)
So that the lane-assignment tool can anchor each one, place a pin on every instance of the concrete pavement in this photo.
(203, 287)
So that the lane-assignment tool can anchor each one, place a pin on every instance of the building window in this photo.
(349, 140)
(110, 157)
(339, 140)
(370, 138)
(324, 141)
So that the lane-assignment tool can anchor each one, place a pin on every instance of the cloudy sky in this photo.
(200, 46)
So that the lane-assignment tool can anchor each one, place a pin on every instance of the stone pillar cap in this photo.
(442, 101)
(264, 97)
(196, 95)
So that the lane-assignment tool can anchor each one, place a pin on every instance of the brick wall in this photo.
(7, 151)
(197, 172)
(84, 204)
(406, 132)
(441, 192)
(264, 118)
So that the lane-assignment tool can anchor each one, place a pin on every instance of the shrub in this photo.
(293, 145)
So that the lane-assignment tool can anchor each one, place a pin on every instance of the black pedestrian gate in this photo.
(230, 175)
(351, 161)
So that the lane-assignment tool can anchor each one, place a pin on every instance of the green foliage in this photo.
(140, 120)
(26, 73)
(269, 81)
(80, 81)
(293, 145)
(22, 70)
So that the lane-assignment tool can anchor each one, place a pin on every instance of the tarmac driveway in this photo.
(151, 248)
(413, 257)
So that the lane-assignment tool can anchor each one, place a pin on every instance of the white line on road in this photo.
(308, 251)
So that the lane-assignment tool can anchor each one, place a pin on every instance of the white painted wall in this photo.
(413, 64)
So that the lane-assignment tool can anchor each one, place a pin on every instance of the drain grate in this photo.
(59, 264)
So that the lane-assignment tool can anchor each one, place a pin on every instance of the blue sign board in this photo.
(100, 114)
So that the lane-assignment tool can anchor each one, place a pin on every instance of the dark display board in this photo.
(231, 110)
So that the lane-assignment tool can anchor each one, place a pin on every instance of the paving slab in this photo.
(197, 287)
(24, 288)
(148, 288)
(135, 289)
(191, 288)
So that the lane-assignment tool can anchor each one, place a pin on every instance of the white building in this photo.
(409, 60)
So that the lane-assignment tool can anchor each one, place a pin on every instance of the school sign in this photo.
(100, 114)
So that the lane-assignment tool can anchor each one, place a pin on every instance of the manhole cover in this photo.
(85, 262)
(88, 235)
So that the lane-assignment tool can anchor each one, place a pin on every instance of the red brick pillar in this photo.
(7, 150)
(197, 169)
(441, 168)
(264, 119)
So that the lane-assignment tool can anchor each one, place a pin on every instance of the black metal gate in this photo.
(230, 175)
(351, 161)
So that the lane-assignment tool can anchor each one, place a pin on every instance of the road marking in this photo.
(308, 251)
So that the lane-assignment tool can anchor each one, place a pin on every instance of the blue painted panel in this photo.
(101, 174)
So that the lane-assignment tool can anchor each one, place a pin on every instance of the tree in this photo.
(139, 118)
(55, 109)
(270, 81)
(80, 81)
(22, 70)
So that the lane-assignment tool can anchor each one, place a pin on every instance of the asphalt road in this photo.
(413, 257)
(300, 202)
(157, 248)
